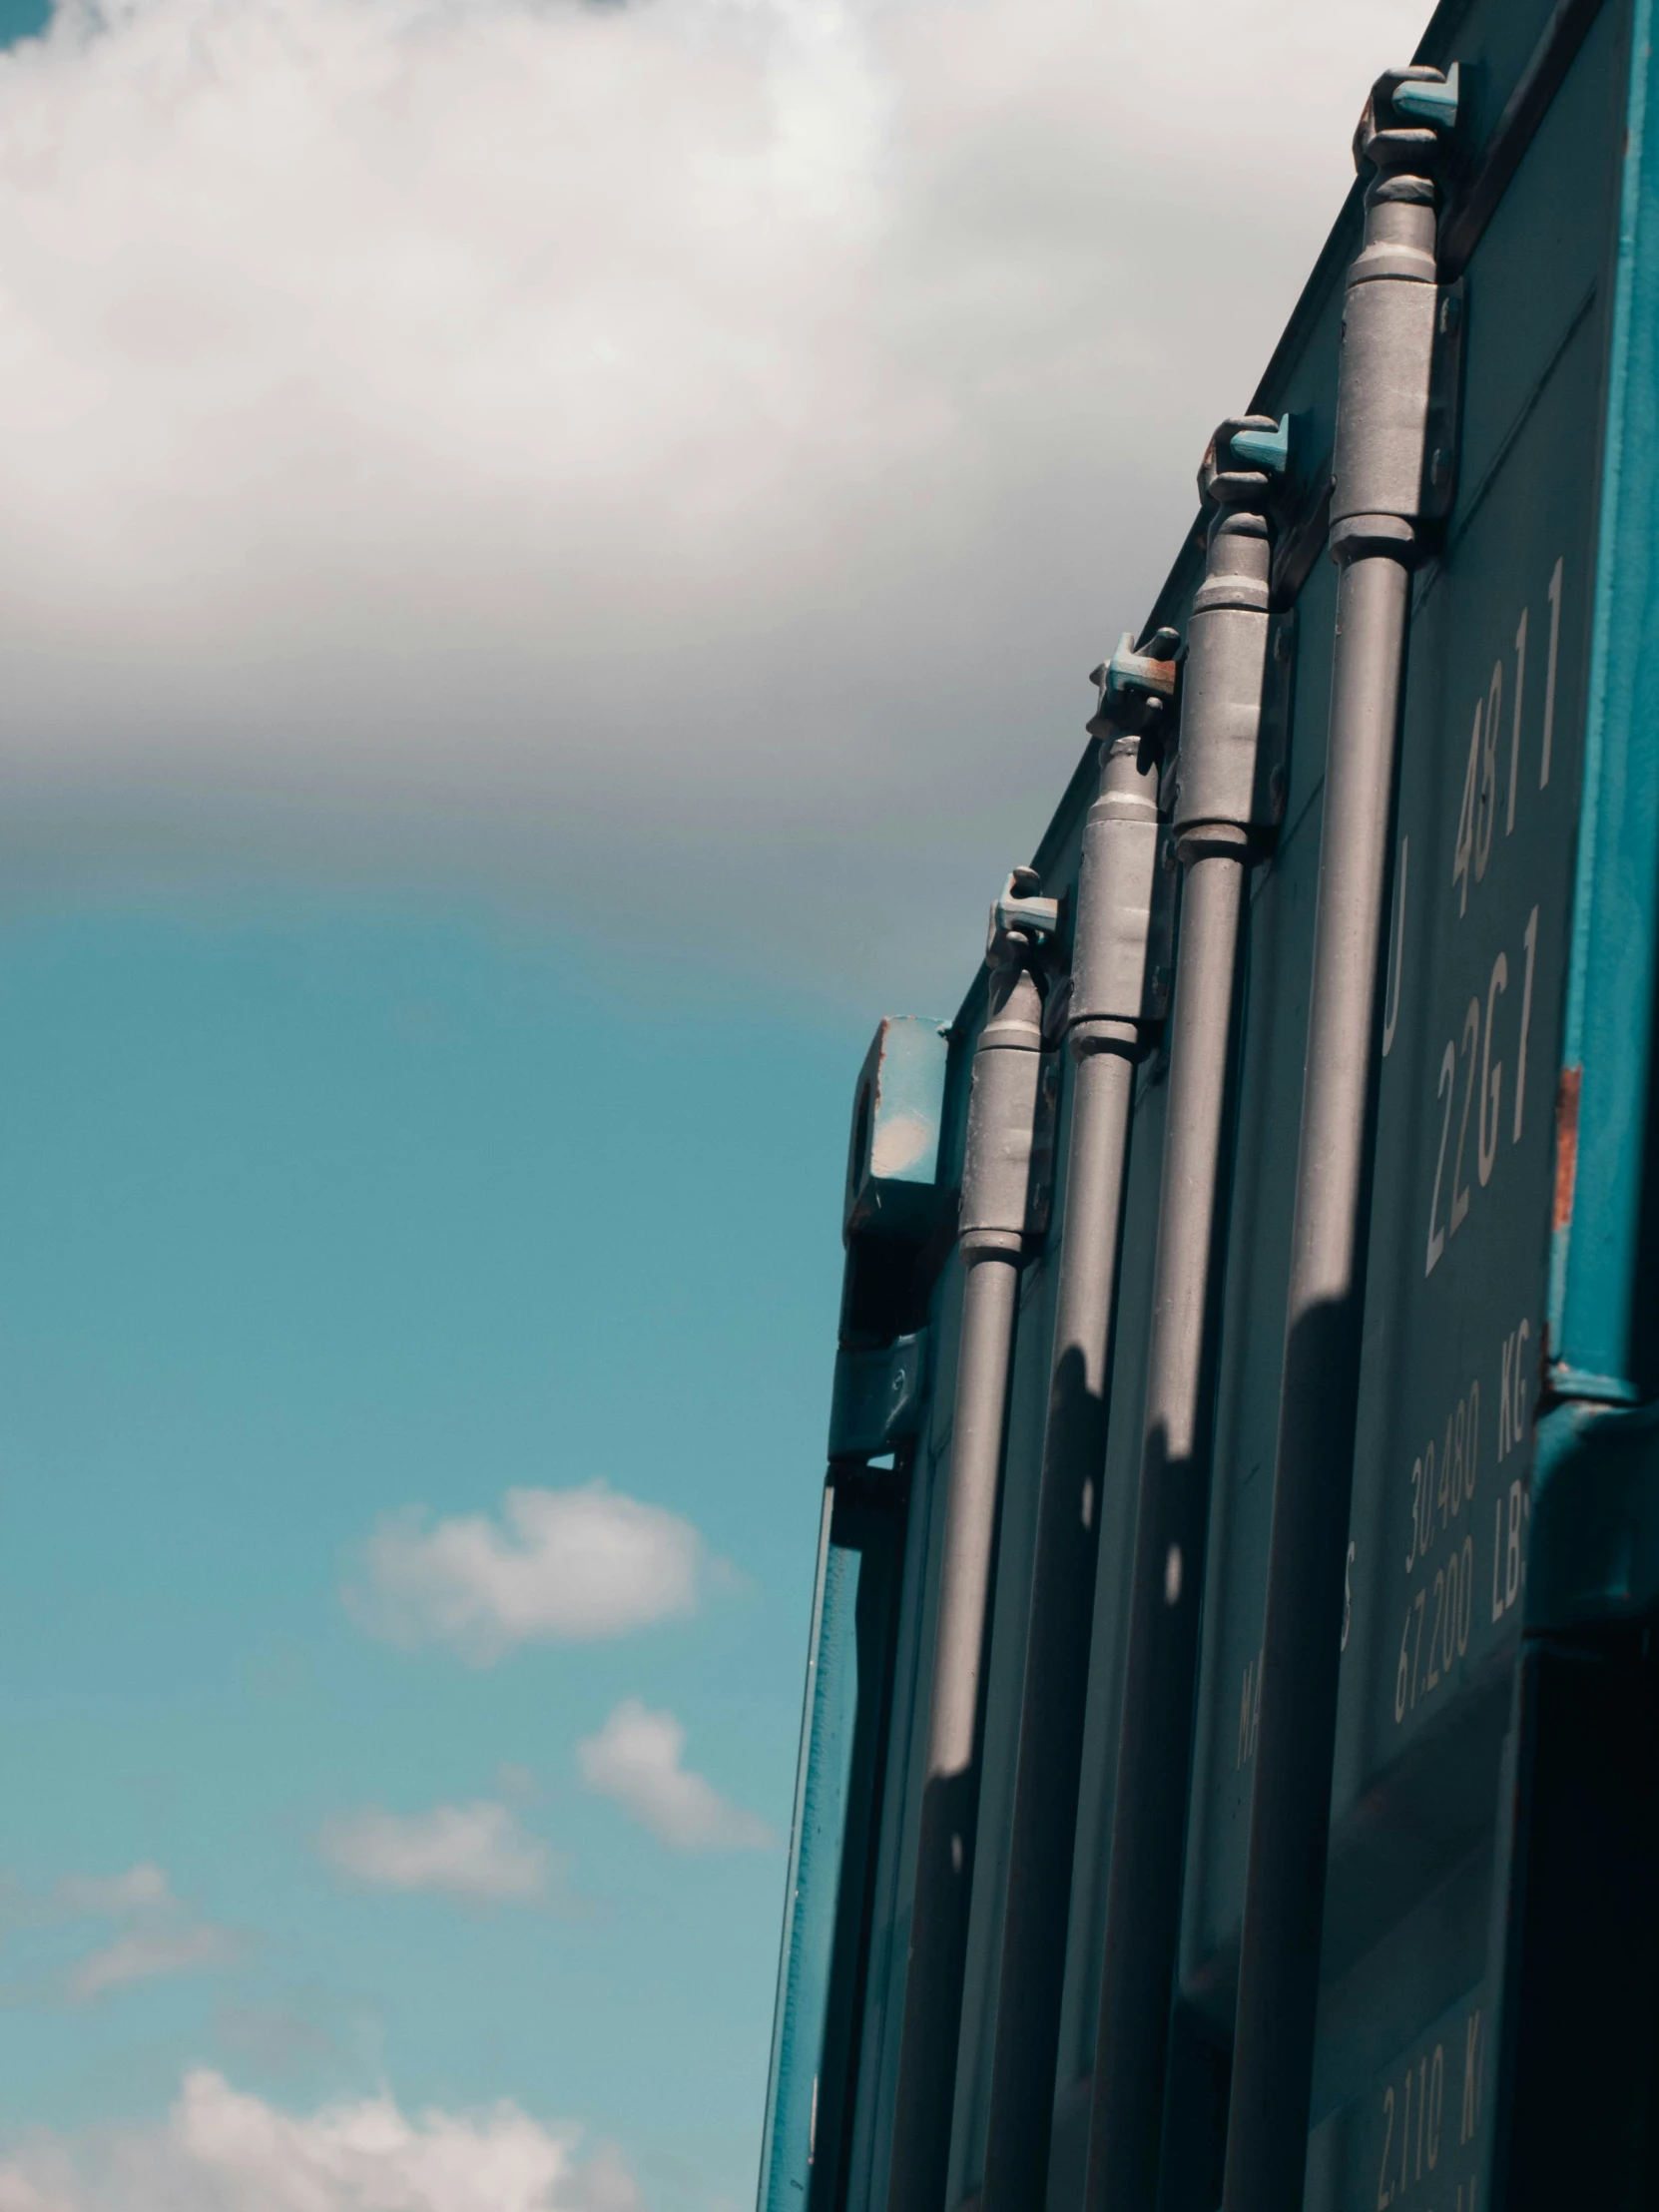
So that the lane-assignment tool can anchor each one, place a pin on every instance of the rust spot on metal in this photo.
(1566, 1143)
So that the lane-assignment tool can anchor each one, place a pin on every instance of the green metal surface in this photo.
(1595, 1553)
(820, 1991)
(878, 1397)
(1603, 1342)
(815, 1832)
(1503, 1561)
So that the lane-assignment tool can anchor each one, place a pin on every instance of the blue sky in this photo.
(311, 1216)
(547, 559)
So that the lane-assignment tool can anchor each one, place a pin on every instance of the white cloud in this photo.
(635, 1759)
(220, 2150)
(150, 1953)
(157, 1933)
(142, 1887)
(558, 1567)
(522, 434)
(476, 1852)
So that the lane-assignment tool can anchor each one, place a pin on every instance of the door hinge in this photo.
(878, 1397)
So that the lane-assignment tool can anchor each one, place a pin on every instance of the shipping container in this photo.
(1230, 1765)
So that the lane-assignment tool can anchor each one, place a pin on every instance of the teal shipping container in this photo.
(1230, 1763)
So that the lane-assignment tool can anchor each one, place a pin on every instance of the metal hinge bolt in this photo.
(1425, 99)
(1020, 913)
(1265, 449)
(1136, 686)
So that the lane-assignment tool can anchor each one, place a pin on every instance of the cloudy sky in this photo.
(548, 555)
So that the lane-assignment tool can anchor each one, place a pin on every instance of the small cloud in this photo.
(149, 1953)
(271, 2037)
(222, 2150)
(635, 1759)
(558, 1567)
(141, 1888)
(477, 1852)
(159, 1935)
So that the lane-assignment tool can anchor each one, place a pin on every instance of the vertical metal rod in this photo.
(1382, 418)
(1221, 810)
(1143, 1907)
(1056, 1659)
(997, 1195)
(1116, 1000)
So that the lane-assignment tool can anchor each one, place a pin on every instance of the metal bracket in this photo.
(1136, 687)
(1268, 450)
(1443, 439)
(1406, 103)
(878, 1397)
(1592, 1557)
(1020, 913)
(1420, 96)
